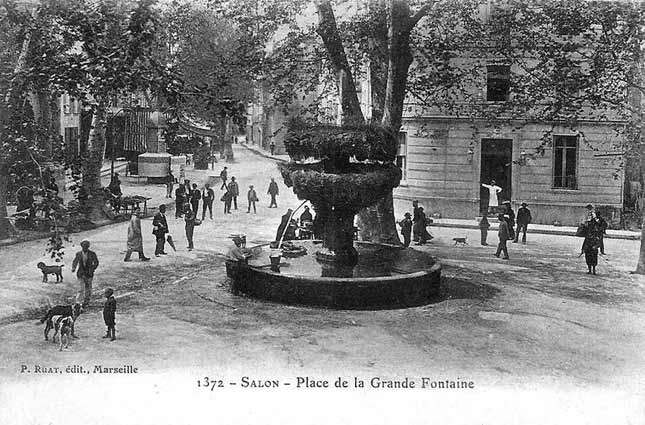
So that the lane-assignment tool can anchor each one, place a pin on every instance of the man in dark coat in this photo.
(180, 200)
(508, 210)
(159, 229)
(235, 191)
(195, 196)
(273, 191)
(189, 218)
(207, 199)
(602, 229)
(504, 235)
(406, 228)
(227, 198)
(86, 262)
(415, 220)
(484, 225)
(523, 220)
(224, 176)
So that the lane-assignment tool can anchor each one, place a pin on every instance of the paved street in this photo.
(536, 322)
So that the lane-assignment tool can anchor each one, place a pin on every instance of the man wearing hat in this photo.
(159, 229)
(508, 210)
(406, 228)
(86, 261)
(523, 220)
(503, 235)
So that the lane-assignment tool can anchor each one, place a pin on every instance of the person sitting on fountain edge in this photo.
(288, 224)
(235, 251)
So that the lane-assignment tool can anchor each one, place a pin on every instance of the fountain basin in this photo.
(385, 277)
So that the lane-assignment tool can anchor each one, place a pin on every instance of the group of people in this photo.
(306, 224)
(592, 229)
(85, 264)
(414, 228)
(187, 196)
(506, 230)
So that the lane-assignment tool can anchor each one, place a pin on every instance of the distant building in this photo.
(445, 158)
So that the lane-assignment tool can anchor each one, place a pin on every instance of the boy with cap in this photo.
(109, 313)
(252, 197)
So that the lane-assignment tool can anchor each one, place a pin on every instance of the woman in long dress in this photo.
(420, 228)
(591, 243)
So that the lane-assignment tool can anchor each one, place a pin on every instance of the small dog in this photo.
(55, 270)
(461, 241)
(66, 327)
(61, 312)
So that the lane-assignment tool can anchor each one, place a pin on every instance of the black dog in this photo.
(60, 312)
(55, 270)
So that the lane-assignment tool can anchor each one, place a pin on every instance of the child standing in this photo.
(484, 225)
(109, 312)
(252, 198)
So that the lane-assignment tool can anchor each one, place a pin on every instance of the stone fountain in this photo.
(341, 170)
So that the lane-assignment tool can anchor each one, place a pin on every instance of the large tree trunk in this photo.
(328, 31)
(377, 223)
(93, 199)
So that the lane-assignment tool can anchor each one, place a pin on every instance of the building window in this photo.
(498, 83)
(565, 162)
(401, 157)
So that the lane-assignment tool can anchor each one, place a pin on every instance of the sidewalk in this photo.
(258, 150)
(533, 228)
